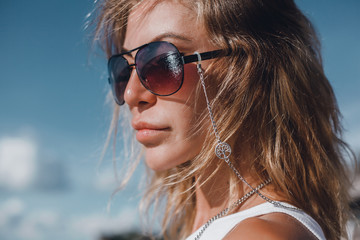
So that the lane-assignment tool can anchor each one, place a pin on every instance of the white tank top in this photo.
(221, 227)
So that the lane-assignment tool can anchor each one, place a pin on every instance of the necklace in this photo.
(235, 204)
(223, 151)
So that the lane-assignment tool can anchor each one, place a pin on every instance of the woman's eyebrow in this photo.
(171, 35)
(159, 38)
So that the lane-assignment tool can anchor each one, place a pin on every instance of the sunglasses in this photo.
(159, 66)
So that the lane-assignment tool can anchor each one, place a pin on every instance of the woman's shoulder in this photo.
(273, 226)
(281, 221)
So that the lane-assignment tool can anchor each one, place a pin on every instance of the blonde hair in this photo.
(273, 94)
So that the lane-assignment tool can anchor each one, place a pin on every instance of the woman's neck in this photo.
(211, 198)
(212, 195)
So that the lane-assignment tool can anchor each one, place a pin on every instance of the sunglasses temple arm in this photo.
(204, 56)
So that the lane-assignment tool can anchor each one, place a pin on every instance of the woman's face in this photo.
(164, 125)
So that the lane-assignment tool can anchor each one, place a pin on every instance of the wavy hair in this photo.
(273, 96)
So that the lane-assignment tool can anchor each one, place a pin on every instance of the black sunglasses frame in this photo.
(185, 59)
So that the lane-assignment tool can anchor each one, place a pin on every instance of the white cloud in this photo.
(23, 164)
(18, 221)
(39, 224)
(17, 162)
(11, 210)
(105, 180)
(90, 226)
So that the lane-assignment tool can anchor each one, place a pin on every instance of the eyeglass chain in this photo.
(223, 151)
(225, 211)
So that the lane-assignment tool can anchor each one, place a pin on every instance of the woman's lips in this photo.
(149, 134)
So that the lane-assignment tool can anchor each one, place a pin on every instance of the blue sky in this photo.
(53, 116)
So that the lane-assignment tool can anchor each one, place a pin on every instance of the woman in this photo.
(236, 117)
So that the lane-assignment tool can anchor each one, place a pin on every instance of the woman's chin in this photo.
(162, 161)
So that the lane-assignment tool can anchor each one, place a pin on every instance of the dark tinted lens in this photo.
(160, 69)
(119, 73)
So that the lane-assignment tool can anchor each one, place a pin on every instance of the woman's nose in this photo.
(136, 94)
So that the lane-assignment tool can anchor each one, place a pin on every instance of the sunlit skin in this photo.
(164, 125)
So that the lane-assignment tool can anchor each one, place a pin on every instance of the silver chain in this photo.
(200, 71)
(223, 151)
(225, 211)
